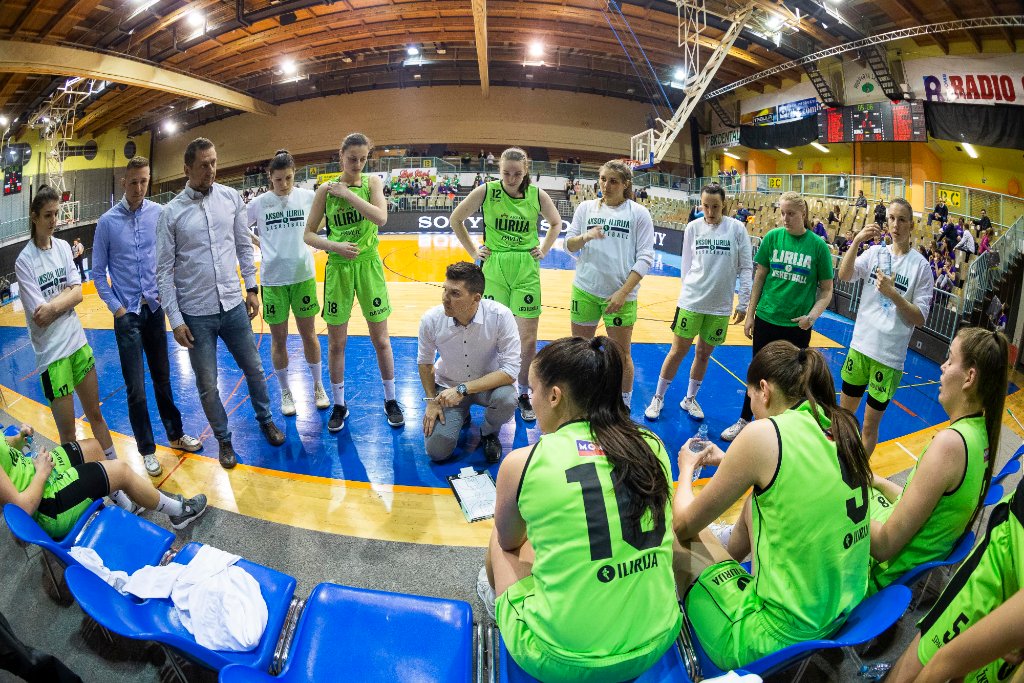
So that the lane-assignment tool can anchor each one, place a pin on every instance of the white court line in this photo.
(904, 449)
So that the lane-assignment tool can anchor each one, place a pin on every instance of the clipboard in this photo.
(475, 493)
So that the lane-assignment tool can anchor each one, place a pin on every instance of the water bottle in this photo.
(885, 265)
(697, 444)
(874, 672)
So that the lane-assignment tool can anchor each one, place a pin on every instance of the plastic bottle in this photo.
(697, 444)
(875, 672)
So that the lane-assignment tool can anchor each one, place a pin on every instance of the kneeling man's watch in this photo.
(462, 389)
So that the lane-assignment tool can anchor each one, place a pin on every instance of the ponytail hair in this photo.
(589, 373)
(44, 195)
(795, 198)
(625, 174)
(803, 374)
(282, 160)
(516, 154)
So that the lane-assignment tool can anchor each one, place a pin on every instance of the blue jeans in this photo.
(234, 328)
(138, 333)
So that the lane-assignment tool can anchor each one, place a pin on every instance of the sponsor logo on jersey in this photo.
(856, 537)
(586, 448)
(607, 573)
(723, 576)
(711, 246)
(790, 265)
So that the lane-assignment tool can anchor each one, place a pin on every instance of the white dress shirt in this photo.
(202, 241)
(489, 342)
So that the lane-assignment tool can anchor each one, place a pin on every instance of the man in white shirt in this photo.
(202, 242)
(478, 344)
(966, 242)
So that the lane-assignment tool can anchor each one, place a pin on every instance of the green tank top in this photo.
(951, 515)
(811, 533)
(346, 224)
(511, 224)
(19, 468)
(601, 590)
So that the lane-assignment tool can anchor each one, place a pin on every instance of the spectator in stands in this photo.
(986, 240)
(199, 290)
(810, 476)
(1001, 320)
(742, 214)
(842, 242)
(862, 201)
(966, 242)
(921, 521)
(548, 592)
(125, 251)
(835, 215)
(490, 159)
(984, 223)
(452, 380)
(642, 195)
(77, 253)
(55, 487)
(949, 236)
(819, 230)
(943, 281)
(880, 214)
(940, 213)
(896, 298)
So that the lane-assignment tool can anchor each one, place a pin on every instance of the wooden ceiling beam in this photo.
(62, 22)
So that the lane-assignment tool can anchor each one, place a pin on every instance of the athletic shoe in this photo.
(691, 406)
(153, 467)
(733, 431)
(337, 420)
(187, 443)
(492, 447)
(723, 532)
(227, 457)
(287, 403)
(191, 510)
(526, 408)
(485, 591)
(394, 413)
(653, 411)
(274, 436)
(320, 397)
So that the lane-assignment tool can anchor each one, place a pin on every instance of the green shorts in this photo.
(588, 309)
(300, 298)
(880, 509)
(365, 279)
(729, 618)
(988, 577)
(711, 328)
(537, 659)
(71, 488)
(512, 278)
(62, 376)
(881, 381)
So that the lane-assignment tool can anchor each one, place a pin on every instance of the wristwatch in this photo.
(462, 389)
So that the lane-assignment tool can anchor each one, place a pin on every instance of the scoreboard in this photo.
(873, 122)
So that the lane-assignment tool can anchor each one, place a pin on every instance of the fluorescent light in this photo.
(288, 66)
(412, 51)
(731, 155)
(142, 8)
(3, 121)
(196, 19)
(785, 151)
(417, 76)
(199, 105)
(774, 22)
(537, 49)
(680, 75)
(170, 126)
(971, 152)
(820, 147)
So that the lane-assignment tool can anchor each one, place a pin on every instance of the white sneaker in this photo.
(187, 443)
(733, 431)
(691, 406)
(485, 591)
(287, 404)
(320, 397)
(153, 467)
(723, 532)
(653, 411)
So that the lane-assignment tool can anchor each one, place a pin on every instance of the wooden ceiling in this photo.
(350, 45)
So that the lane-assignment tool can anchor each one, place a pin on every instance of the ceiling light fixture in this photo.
(196, 19)
(170, 126)
(537, 49)
(199, 105)
(785, 151)
(288, 67)
(3, 121)
(731, 155)
(412, 51)
(969, 148)
(820, 147)
(142, 8)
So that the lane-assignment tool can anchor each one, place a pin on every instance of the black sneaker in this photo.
(274, 436)
(394, 413)
(191, 510)
(492, 447)
(227, 458)
(337, 421)
(526, 408)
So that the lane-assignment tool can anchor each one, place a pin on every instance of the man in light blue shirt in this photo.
(202, 242)
(124, 250)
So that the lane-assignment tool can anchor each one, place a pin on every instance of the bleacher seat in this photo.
(358, 635)
(157, 619)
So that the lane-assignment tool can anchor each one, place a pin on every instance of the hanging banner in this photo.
(761, 117)
(996, 79)
(729, 138)
(794, 111)
(860, 84)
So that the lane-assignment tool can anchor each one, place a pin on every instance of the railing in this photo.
(987, 267)
(664, 180)
(1002, 209)
(843, 187)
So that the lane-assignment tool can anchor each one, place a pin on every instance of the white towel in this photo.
(154, 582)
(90, 559)
(733, 677)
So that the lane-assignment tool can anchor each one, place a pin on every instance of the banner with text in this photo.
(729, 138)
(995, 79)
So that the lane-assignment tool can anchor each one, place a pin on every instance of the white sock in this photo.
(663, 385)
(693, 388)
(315, 370)
(110, 453)
(627, 398)
(339, 393)
(171, 507)
(389, 389)
(282, 379)
(524, 389)
(122, 500)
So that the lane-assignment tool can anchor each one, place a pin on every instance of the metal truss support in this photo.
(821, 85)
(726, 118)
(57, 118)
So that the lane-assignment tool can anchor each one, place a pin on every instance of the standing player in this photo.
(716, 250)
(355, 208)
(511, 252)
(896, 298)
(792, 287)
(287, 277)
(615, 238)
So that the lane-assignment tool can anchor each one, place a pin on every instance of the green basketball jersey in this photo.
(346, 224)
(602, 588)
(19, 468)
(811, 547)
(511, 224)
(951, 515)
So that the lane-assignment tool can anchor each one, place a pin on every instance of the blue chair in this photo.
(957, 555)
(1012, 466)
(355, 635)
(123, 541)
(867, 621)
(157, 620)
(995, 494)
(669, 669)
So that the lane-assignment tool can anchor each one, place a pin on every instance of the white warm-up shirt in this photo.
(282, 222)
(42, 275)
(713, 257)
(628, 245)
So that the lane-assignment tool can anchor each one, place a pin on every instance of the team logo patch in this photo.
(586, 448)
(878, 376)
(718, 332)
(376, 302)
(606, 573)
(305, 300)
(528, 298)
(617, 322)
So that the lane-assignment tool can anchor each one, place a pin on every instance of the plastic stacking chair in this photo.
(995, 494)
(957, 555)
(123, 541)
(157, 619)
(867, 621)
(357, 635)
(1012, 466)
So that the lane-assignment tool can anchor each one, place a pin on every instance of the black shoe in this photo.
(526, 408)
(394, 413)
(337, 420)
(492, 447)
(274, 436)
(227, 458)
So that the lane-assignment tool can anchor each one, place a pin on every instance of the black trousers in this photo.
(29, 664)
(764, 334)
